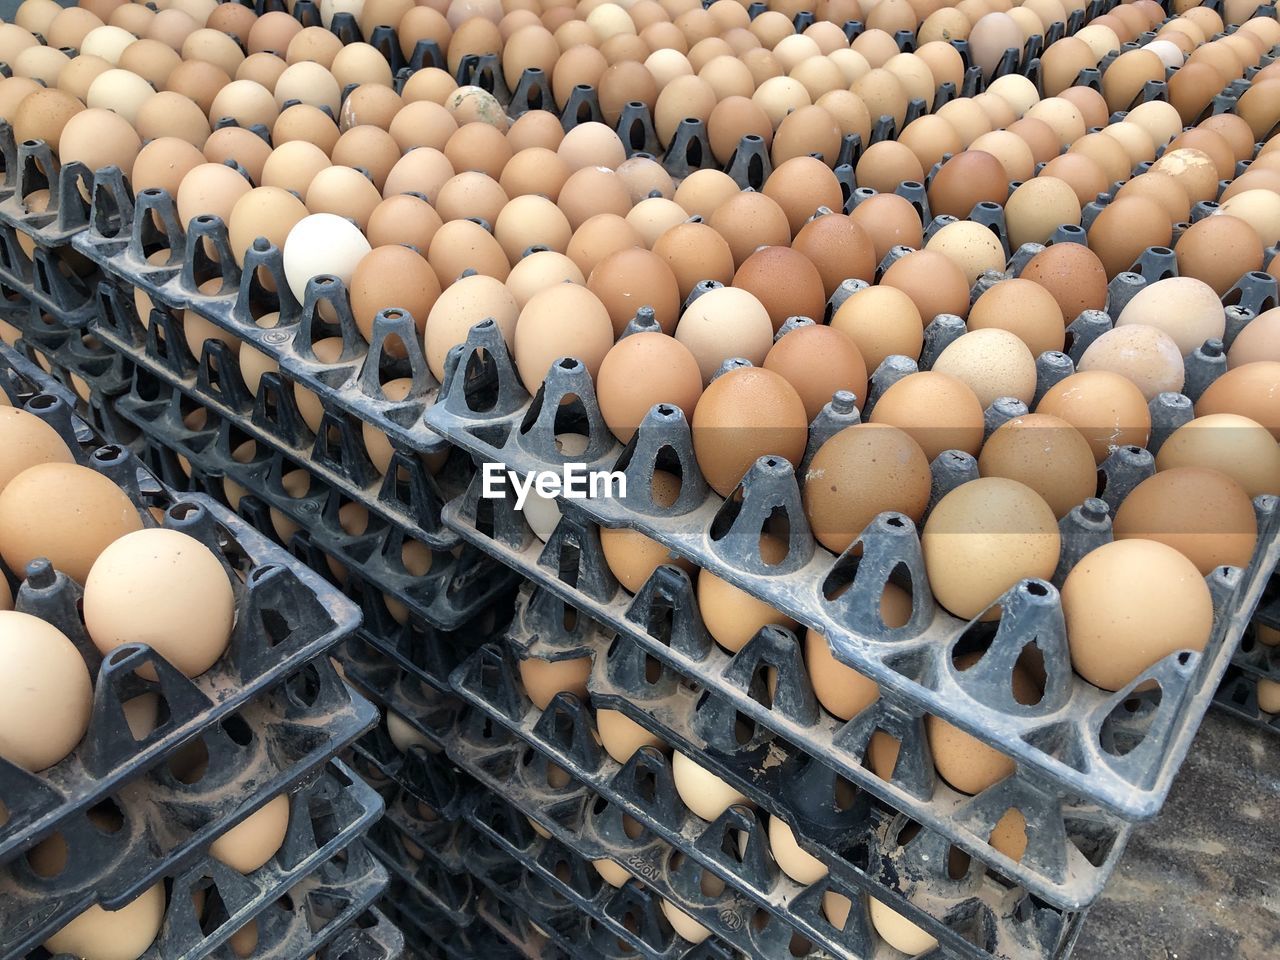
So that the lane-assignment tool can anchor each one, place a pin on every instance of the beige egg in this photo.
(705, 794)
(130, 931)
(1038, 207)
(972, 247)
(256, 839)
(622, 736)
(1145, 355)
(460, 307)
(1186, 309)
(47, 693)
(992, 363)
(899, 932)
(543, 679)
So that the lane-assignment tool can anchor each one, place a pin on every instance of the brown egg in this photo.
(151, 60)
(859, 473)
(732, 119)
(1251, 390)
(968, 118)
(1039, 136)
(723, 324)
(1202, 513)
(306, 123)
(884, 95)
(640, 371)
(392, 277)
(634, 277)
(817, 361)
(75, 78)
(1012, 152)
(602, 235)
(938, 411)
(1039, 207)
(534, 170)
(694, 252)
(1234, 130)
(1062, 62)
(43, 114)
(1107, 152)
(345, 192)
(198, 81)
(1023, 308)
(965, 762)
(163, 163)
(1124, 79)
(632, 558)
(537, 128)
(478, 146)
(886, 164)
(622, 83)
(681, 98)
(591, 145)
(748, 221)
(1160, 187)
(932, 281)
(889, 220)
(592, 191)
(1259, 340)
(1124, 229)
(268, 212)
(1083, 174)
(1090, 103)
(372, 104)
(1218, 250)
(805, 131)
(881, 321)
(745, 414)
(1045, 453)
(1194, 171)
(71, 26)
(422, 170)
(972, 247)
(562, 321)
(703, 191)
(473, 194)
(1239, 447)
(1193, 87)
(403, 219)
(1257, 107)
(1105, 407)
(462, 245)
(99, 138)
(839, 248)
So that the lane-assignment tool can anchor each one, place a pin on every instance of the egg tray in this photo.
(1253, 656)
(274, 745)
(413, 772)
(630, 914)
(285, 616)
(519, 931)
(450, 893)
(1238, 696)
(47, 280)
(370, 936)
(408, 495)
(970, 917)
(496, 422)
(21, 378)
(428, 934)
(863, 847)
(452, 594)
(756, 913)
(325, 818)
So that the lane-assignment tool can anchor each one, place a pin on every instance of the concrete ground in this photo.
(1202, 882)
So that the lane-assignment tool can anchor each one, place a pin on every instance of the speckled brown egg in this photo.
(1072, 274)
(784, 281)
(462, 245)
(839, 248)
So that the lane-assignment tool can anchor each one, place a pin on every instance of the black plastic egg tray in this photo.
(370, 936)
(429, 934)
(627, 919)
(454, 592)
(496, 422)
(407, 496)
(285, 617)
(974, 922)
(1238, 695)
(325, 818)
(162, 825)
(22, 378)
(32, 166)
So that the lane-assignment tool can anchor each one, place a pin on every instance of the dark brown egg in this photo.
(839, 248)
(1072, 274)
(1192, 88)
(1124, 229)
(785, 282)
(966, 180)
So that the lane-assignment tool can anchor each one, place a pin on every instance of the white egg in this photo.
(322, 243)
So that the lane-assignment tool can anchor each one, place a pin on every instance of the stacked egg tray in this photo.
(1255, 662)
(270, 717)
(50, 291)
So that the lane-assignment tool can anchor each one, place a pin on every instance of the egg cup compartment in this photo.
(431, 714)
(1253, 656)
(160, 824)
(451, 894)
(759, 910)
(325, 819)
(22, 378)
(370, 936)
(535, 938)
(353, 384)
(1238, 696)
(408, 496)
(447, 599)
(428, 933)
(57, 280)
(29, 167)
(624, 918)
